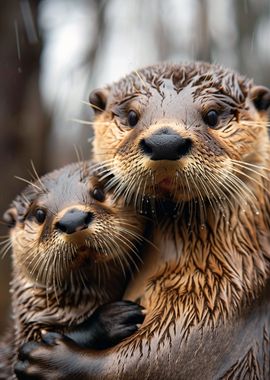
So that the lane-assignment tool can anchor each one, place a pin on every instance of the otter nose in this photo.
(165, 145)
(74, 220)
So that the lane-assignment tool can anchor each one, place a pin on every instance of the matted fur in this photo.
(219, 230)
(59, 279)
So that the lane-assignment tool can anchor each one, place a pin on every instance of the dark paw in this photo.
(50, 359)
(28, 355)
(118, 321)
(109, 324)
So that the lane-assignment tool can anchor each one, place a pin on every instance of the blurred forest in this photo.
(53, 52)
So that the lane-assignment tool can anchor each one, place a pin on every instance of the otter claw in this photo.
(20, 367)
(51, 338)
(26, 350)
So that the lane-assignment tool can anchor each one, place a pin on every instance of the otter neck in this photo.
(58, 307)
(210, 264)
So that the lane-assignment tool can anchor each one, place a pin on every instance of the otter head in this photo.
(184, 132)
(65, 226)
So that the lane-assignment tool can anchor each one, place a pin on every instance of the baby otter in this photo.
(191, 140)
(73, 249)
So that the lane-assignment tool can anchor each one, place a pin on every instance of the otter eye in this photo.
(40, 215)
(98, 195)
(211, 118)
(133, 118)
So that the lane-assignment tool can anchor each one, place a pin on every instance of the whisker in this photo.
(37, 176)
(200, 199)
(95, 107)
(91, 105)
(28, 182)
(207, 189)
(141, 79)
(252, 179)
(7, 245)
(78, 153)
(4, 236)
(218, 191)
(86, 122)
(247, 165)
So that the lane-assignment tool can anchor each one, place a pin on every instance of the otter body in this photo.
(73, 250)
(194, 138)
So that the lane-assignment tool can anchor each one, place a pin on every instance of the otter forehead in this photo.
(178, 93)
(73, 187)
(164, 104)
(171, 79)
(59, 189)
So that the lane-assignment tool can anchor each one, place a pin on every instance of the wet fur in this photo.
(221, 234)
(54, 285)
(206, 288)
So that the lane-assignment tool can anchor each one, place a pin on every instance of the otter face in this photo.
(65, 222)
(181, 132)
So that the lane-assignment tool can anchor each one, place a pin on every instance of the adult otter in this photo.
(72, 250)
(194, 135)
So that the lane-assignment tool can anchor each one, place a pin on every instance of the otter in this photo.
(72, 250)
(191, 140)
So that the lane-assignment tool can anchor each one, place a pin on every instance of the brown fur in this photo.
(215, 259)
(59, 279)
(206, 284)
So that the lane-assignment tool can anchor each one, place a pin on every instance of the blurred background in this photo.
(53, 52)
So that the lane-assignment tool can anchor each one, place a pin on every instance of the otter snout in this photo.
(74, 220)
(165, 144)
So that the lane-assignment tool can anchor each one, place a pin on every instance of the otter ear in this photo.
(10, 217)
(260, 96)
(98, 99)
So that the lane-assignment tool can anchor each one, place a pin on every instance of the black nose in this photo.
(165, 145)
(74, 220)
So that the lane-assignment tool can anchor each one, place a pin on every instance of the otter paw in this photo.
(117, 321)
(108, 325)
(53, 358)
